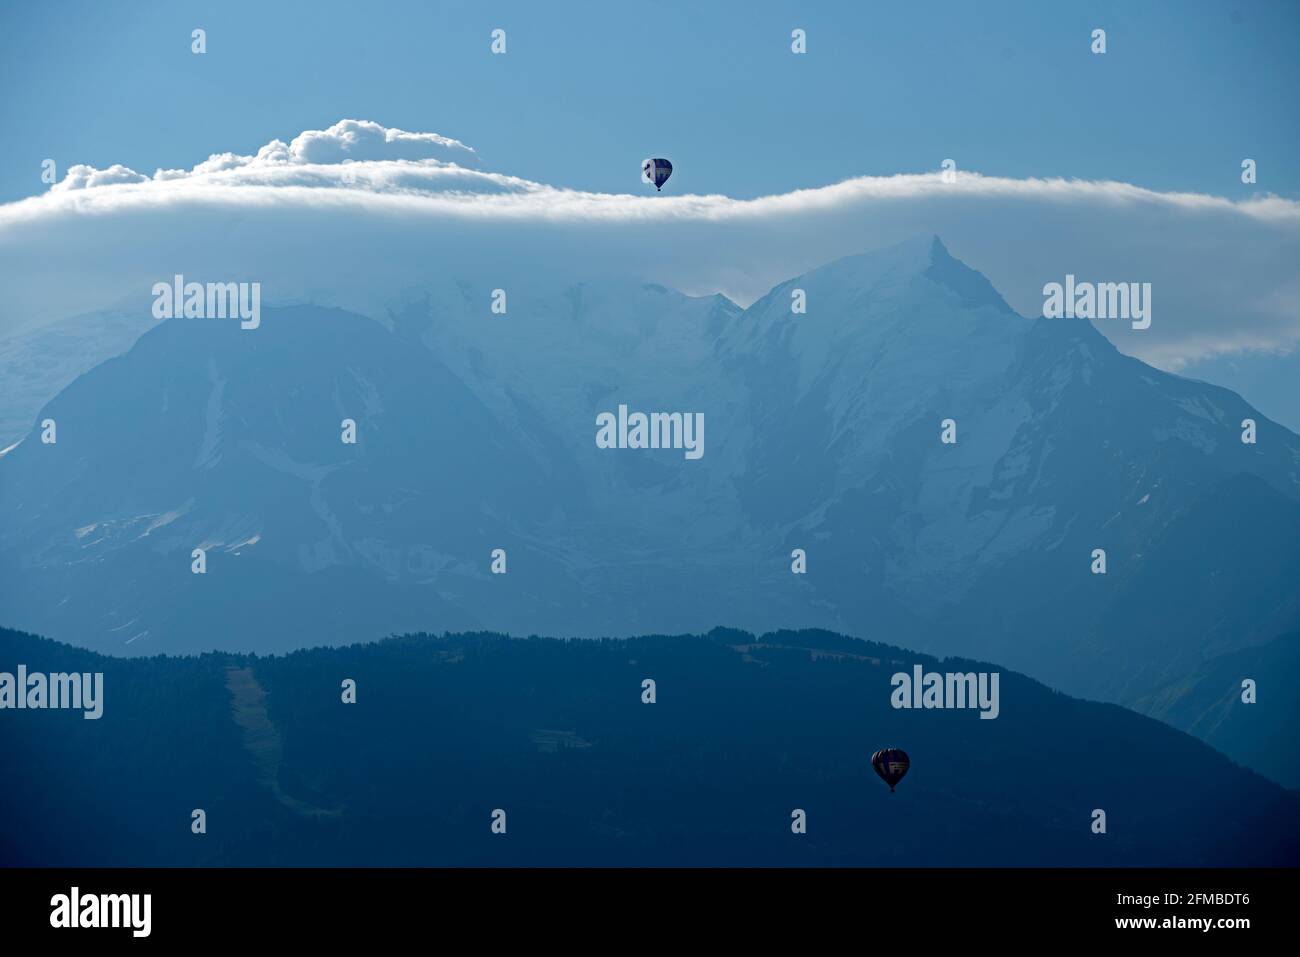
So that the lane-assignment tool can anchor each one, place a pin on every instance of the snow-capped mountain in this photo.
(477, 430)
(1064, 446)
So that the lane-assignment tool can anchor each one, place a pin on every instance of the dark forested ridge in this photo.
(744, 730)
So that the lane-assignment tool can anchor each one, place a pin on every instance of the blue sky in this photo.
(1185, 91)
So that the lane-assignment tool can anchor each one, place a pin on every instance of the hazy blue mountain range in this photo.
(477, 431)
(744, 731)
(1208, 703)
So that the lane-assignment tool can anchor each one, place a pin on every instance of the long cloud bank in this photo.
(359, 215)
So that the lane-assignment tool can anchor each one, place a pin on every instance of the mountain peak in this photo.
(924, 256)
(970, 285)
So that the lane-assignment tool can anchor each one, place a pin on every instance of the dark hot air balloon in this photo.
(891, 764)
(656, 171)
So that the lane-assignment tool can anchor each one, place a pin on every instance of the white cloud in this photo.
(87, 177)
(362, 140)
(358, 213)
(346, 142)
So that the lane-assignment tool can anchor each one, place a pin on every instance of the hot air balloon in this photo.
(656, 171)
(891, 764)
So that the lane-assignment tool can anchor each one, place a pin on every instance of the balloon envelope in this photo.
(657, 171)
(891, 764)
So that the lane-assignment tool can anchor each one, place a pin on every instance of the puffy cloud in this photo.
(87, 177)
(358, 215)
(346, 142)
(361, 140)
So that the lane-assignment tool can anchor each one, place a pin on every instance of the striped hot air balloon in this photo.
(891, 764)
(656, 171)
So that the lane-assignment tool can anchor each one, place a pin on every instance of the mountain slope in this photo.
(822, 432)
(230, 441)
(1208, 703)
(36, 366)
(744, 730)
